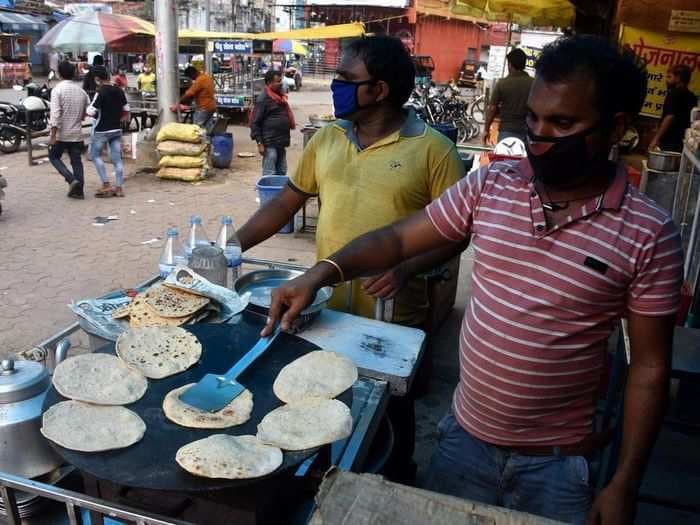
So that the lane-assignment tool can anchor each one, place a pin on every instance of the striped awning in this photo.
(21, 23)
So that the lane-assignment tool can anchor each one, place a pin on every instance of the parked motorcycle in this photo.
(444, 106)
(13, 117)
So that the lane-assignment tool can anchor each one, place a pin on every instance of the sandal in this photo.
(104, 193)
(117, 192)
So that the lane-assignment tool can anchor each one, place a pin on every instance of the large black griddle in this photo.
(150, 463)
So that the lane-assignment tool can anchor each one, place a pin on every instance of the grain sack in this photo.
(183, 161)
(173, 147)
(184, 174)
(181, 133)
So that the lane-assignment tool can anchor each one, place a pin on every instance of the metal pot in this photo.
(24, 451)
(664, 160)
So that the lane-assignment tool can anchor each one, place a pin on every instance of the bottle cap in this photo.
(195, 219)
(172, 232)
(226, 220)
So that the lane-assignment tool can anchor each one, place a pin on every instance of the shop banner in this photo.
(661, 51)
(238, 47)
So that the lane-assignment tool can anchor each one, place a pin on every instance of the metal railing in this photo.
(74, 502)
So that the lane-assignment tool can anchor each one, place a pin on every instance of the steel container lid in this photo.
(20, 380)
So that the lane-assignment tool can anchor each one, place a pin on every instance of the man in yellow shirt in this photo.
(375, 165)
(146, 81)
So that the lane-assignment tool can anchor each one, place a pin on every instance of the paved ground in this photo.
(51, 253)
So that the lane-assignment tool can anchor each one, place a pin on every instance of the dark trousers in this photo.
(75, 150)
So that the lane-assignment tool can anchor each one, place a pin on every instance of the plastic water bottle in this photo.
(228, 241)
(197, 236)
(173, 254)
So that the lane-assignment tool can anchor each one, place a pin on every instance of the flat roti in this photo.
(141, 315)
(304, 425)
(91, 428)
(235, 413)
(172, 302)
(229, 457)
(159, 351)
(102, 379)
(316, 375)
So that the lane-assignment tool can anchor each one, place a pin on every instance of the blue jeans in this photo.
(75, 151)
(203, 119)
(552, 486)
(114, 140)
(274, 161)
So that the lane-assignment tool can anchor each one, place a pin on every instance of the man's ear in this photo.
(382, 89)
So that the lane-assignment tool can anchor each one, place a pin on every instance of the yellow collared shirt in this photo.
(361, 190)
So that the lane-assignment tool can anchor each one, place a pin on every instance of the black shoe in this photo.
(76, 190)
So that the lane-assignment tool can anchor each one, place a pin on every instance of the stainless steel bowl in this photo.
(664, 160)
(318, 121)
(260, 284)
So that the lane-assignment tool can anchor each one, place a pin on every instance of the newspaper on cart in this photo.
(95, 315)
(185, 279)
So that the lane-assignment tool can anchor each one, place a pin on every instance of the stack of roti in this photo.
(159, 351)
(311, 417)
(163, 306)
(229, 457)
(89, 421)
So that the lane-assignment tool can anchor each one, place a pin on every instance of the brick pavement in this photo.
(50, 252)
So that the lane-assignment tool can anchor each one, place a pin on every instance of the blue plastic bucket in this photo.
(222, 150)
(268, 188)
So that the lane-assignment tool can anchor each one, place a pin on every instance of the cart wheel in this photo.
(9, 140)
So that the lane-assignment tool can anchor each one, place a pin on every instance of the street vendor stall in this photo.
(145, 474)
(15, 68)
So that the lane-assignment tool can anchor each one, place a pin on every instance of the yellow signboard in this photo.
(661, 51)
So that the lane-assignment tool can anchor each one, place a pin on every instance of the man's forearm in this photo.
(663, 128)
(491, 112)
(645, 402)
(269, 219)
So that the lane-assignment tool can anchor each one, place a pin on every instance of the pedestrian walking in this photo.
(68, 106)
(271, 121)
(110, 108)
(202, 92)
(675, 118)
(509, 100)
(564, 247)
(89, 83)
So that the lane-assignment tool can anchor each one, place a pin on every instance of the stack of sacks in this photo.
(692, 134)
(183, 152)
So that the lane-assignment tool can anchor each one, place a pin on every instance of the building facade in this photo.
(247, 16)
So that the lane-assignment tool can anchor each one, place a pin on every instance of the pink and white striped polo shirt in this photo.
(545, 299)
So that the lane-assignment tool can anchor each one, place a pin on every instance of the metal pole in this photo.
(207, 11)
(166, 59)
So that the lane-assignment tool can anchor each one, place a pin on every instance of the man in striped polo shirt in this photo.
(564, 247)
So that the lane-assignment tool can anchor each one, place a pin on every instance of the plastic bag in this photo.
(181, 161)
(173, 147)
(181, 133)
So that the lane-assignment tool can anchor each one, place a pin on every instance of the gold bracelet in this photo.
(337, 267)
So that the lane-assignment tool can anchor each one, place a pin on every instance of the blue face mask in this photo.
(345, 96)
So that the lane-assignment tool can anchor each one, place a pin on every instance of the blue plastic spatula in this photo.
(213, 392)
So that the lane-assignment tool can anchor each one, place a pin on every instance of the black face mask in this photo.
(565, 163)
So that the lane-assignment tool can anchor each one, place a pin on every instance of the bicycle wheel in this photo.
(478, 110)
